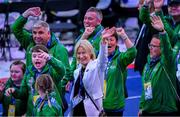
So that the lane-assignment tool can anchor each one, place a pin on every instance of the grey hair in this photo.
(41, 23)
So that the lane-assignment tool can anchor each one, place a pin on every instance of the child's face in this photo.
(16, 72)
(38, 61)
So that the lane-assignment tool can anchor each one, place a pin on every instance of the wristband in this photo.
(125, 37)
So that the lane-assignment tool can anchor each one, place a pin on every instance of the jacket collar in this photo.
(33, 70)
(53, 41)
(115, 53)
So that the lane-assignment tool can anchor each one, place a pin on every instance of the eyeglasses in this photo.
(153, 46)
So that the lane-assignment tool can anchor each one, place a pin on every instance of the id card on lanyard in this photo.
(147, 85)
(76, 100)
(12, 108)
(148, 91)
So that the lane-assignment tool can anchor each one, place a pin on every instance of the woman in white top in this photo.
(89, 78)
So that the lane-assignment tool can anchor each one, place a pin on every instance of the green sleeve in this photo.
(142, 100)
(167, 54)
(58, 66)
(62, 55)
(168, 28)
(177, 47)
(128, 56)
(73, 63)
(7, 85)
(144, 15)
(23, 36)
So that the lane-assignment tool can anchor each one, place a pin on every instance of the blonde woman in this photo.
(87, 92)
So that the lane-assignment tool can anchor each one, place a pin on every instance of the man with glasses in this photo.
(159, 75)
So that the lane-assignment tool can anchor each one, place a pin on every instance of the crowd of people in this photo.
(98, 71)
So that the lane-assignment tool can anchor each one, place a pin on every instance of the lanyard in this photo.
(81, 88)
(97, 34)
(13, 100)
(106, 72)
(152, 72)
(109, 64)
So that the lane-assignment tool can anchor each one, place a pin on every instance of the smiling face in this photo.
(91, 19)
(16, 73)
(38, 61)
(83, 56)
(174, 9)
(41, 35)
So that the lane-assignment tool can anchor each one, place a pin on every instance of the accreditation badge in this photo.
(105, 87)
(11, 110)
(148, 91)
(76, 100)
(35, 98)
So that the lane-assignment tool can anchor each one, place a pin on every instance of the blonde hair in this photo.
(87, 46)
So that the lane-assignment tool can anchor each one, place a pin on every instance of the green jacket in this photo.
(54, 68)
(94, 39)
(163, 95)
(56, 49)
(46, 110)
(144, 16)
(20, 105)
(115, 78)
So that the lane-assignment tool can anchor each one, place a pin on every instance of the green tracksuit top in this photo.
(144, 16)
(56, 49)
(49, 110)
(163, 98)
(20, 105)
(54, 68)
(94, 39)
(116, 75)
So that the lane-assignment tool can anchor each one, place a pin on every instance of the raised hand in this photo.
(147, 2)
(34, 11)
(157, 23)
(2, 86)
(44, 55)
(120, 31)
(104, 35)
(9, 91)
(88, 31)
(158, 4)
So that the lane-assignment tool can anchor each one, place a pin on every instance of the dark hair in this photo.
(156, 36)
(39, 47)
(97, 11)
(18, 62)
(45, 83)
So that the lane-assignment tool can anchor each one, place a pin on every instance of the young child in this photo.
(43, 63)
(46, 104)
(12, 106)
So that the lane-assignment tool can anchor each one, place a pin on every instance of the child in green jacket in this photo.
(46, 104)
(12, 106)
(43, 63)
